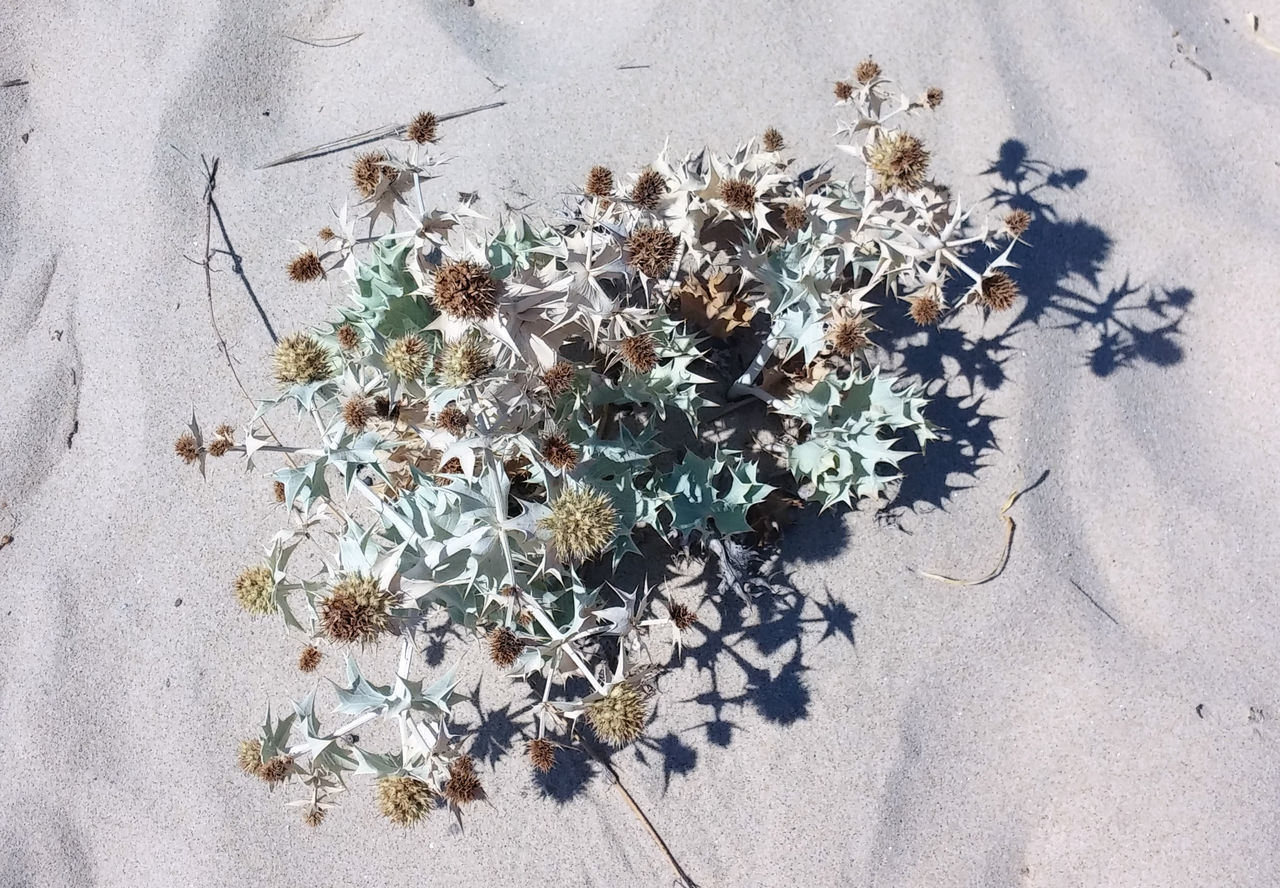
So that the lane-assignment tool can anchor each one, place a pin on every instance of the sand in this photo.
(1105, 713)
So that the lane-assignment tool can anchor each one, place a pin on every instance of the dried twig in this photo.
(366, 137)
(632, 67)
(211, 205)
(1092, 601)
(324, 42)
(1008, 542)
(9, 83)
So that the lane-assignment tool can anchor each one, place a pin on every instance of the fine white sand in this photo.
(1014, 733)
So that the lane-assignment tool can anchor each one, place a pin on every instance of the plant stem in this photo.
(744, 383)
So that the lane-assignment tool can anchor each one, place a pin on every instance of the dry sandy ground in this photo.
(1024, 732)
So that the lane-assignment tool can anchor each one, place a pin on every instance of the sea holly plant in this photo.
(504, 413)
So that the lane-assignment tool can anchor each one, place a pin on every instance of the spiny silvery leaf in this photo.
(326, 752)
(360, 696)
(699, 491)
(275, 735)
(306, 482)
(377, 764)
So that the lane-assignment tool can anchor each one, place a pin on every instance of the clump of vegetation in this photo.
(505, 412)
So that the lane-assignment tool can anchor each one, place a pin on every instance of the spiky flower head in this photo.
(997, 292)
(505, 647)
(403, 800)
(899, 160)
(772, 140)
(933, 98)
(542, 754)
(276, 770)
(651, 250)
(357, 609)
(305, 267)
(300, 358)
(681, 615)
(348, 337)
(249, 757)
(356, 412)
(843, 90)
(600, 181)
(794, 216)
(1017, 223)
(310, 658)
(649, 189)
(314, 816)
(187, 448)
(559, 379)
(849, 336)
(557, 451)
(464, 361)
(582, 522)
(224, 438)
(277, 491)
(866, 71)
(408, 356)
(618, 717)
(925, 309)
(424, 128)
(368, 170)
(739, 194)
(465, 290)
(452, 420)
(327, 234)
(525, 618)
(463, 786)
(254, 589)
(639, 352)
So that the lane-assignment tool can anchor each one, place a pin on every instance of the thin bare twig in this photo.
(211, 172)
(324, 42)
(1094, 602)
(632, 67)
(366, 137)
(9, 83)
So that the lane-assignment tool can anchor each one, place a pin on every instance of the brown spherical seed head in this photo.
(933, 98)
(557, 451)
(313, 817)
(249, 757)
(998, 292)
(542, 755)
(424, 128)
(465, 290)
(651, 250)
(899, 160)
(600, 181)
(357, 609)
(1017, 222)
(525, 619)
(464, 361)
(453, 421)
(794, 217)
(186, 448)
(681, 615)
(772, 140)
(618, 718)
(639, 353)
(348, 338)
(367, 172)
(277, 770)
(463, 786)
(277, 491)
(219, 446)
(305, 267)
(866, 71)
(739, 194)
(843, 90)
(403, 800)
(649, 189)
(849, 336)
(504, 646)
(310, 658)
(559, 379)
(356, 412)
(925, 310)
(327, 234)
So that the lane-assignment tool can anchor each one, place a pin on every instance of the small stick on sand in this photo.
(324, 42)
(366, 137)
(1008, 543)
(9, 83)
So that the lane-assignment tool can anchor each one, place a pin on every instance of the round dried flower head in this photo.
(347, 337)
(639, 353)
(305, 267)
(249, 757)
(314, 816)
(368, 170)
(465, 290)
(219, 446)
(463, 786)
(464, 361)
(452, 420)
(600, 181)
(649, 189)
(772, 140)
(997, 292)
(651, 250)
(300, 358)
(357, 609)
(408, 356)
(277, 491)
(403, 800)
(276, 770)
(925, 309)
(504, 646)
(849, 336)
(327, 234)
(866, 71)
(618, 717)
(739, 194)
(187, 448)
(933, 98)
(254, 589)
(356, 412)
(557, 451)
(309, 659)
(424, 128)
(899, 160)
(582, 522)
(525, 619)
(559, 379)
(681, 615)
(1017, 223)
(542, 755)
(843, 90)
(794, 216)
